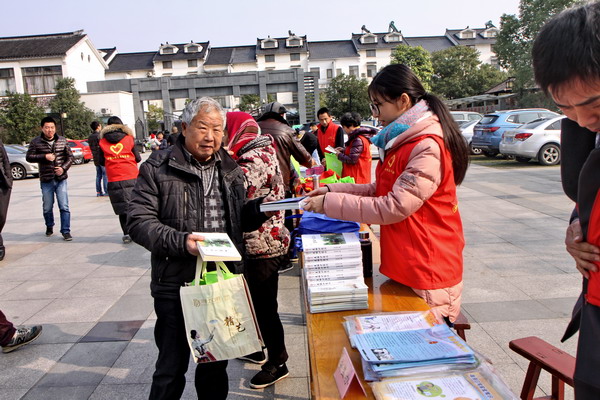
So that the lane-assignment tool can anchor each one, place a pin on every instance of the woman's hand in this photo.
(318, 192)
(584, 253)
(266, 200)
(314, 203)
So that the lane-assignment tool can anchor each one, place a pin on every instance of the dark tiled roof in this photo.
(281, 47)
(381, 43)
(331, 49)
(429, 43)
(453, 34)
(108, 53)
(231, 55)
(132, 62)
(38, 46)
(502, 87)
(181, 54)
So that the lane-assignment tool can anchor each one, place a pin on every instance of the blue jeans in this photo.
(60, 189)
(101, 177)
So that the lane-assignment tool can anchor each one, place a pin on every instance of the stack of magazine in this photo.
(415, 355)
(333, 272)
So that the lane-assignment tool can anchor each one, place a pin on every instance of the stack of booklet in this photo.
(391, 343)
(333, 272)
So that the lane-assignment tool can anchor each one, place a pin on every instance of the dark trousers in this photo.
(263, 282)
(4, 200)
(7, 330)
(123, 222)
(168, 381)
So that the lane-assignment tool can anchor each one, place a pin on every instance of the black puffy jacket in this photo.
(166, 206)
(36, 153)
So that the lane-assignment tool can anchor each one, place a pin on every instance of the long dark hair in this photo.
(394, 80)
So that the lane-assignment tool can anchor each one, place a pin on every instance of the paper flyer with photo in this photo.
(394, 322)
(470, 386)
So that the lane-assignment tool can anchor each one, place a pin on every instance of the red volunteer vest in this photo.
(424, 251)
(593, 236)
(361, 171)
(119, 159)
(327, 138)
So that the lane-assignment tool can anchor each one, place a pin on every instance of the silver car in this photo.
(538, 139)
(19, 166)
(466, 129)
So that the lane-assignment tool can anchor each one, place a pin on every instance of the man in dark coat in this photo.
(93, 141)
(6, 181)
(193, 186)
(54, 157)
(566, 61)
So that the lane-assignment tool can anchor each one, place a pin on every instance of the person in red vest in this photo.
(120, 157)
(356, 156)
(414, 195)
(328, 133)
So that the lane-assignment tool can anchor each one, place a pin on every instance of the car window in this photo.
(535, 123)
(458, 116)
(512, 118)
(548, 115)
(474, 117)
(85, 143)
(527, 117)
(10, 150)
(71, 144)
(488, 119)
(554, 126)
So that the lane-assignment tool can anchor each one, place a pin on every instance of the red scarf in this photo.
(237, 122)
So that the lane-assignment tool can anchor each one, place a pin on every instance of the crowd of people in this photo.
(213, 176)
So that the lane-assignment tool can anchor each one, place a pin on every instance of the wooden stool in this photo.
(460, 325)
(542, 355)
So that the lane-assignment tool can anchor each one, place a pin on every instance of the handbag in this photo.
(220, 321)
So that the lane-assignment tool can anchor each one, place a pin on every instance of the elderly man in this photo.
(566, 60)
(192, 186)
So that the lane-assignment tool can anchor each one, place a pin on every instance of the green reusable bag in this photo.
(333, 163)
(209, 277)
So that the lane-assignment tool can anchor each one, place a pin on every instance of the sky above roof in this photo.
(142, 26)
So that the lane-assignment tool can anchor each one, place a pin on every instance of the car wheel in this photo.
(489, 154)
(18, 172)
(549, 154)
(523, 160)
(78, 161)
(474, 150)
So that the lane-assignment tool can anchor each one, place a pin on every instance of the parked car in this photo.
(464, 116)
(466, 129)
(77, 155)
(19, 166)
(85, 149)
(488, 132)
(538, 139)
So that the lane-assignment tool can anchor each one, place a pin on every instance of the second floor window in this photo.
(372, 53)
(41, 80)
(294, 56)
(167, 64)
(354, 70)
(7, 80)
(270, 58)
(192, 63)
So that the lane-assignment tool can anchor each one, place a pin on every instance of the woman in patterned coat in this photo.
(266, 248)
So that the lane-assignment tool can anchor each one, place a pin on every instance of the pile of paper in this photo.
(390, 343)
(333, 272)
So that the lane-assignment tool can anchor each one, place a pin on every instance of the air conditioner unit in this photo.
(105, 111)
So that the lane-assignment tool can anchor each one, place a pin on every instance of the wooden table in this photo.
(327, 337)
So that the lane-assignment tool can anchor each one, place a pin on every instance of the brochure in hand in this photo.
(294, 203)
(217, 246)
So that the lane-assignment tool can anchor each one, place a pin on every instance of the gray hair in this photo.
(205, 104)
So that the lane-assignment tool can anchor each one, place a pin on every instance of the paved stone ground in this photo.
(92, 294)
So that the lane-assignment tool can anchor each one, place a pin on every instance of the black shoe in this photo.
(2, 252)
(126, 239)
(268, 375)
(67, 237)
(22, 337)
(256, 358)
(49, 231)
(285, 268)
